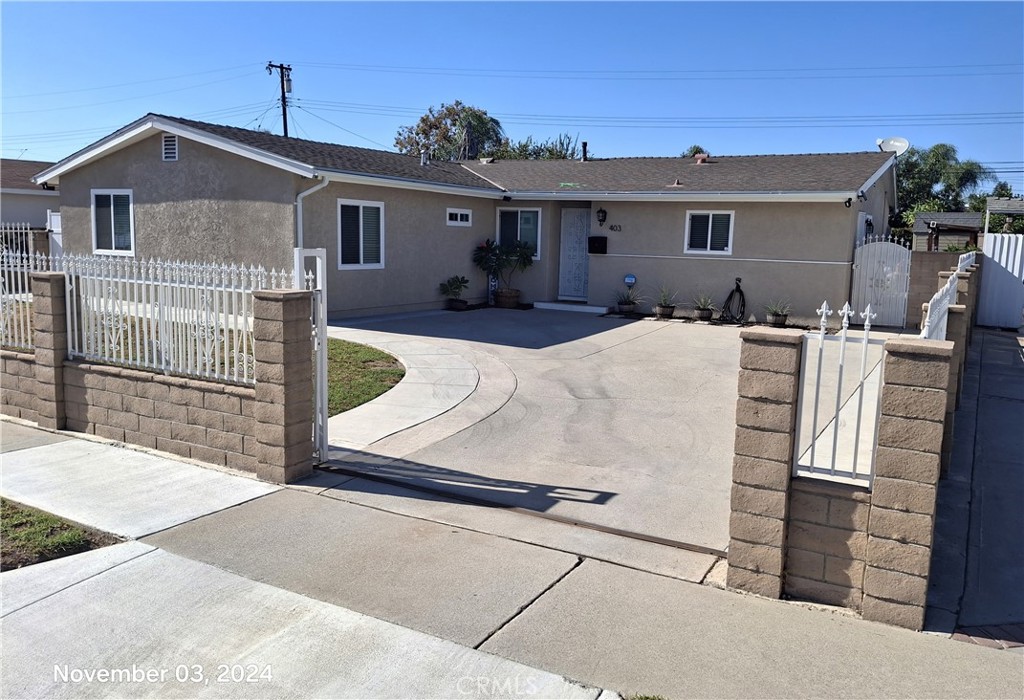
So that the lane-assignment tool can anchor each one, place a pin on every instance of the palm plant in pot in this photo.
(777, 312)
(502, 262)
(626, 300)
(452, 288)
(704, 306)
(666, 306)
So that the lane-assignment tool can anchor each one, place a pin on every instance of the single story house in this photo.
(395, 226)
(21, 200)
(938, 230)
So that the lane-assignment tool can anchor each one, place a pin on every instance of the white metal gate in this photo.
(881, 279)
(1001, 301)
(315, 279)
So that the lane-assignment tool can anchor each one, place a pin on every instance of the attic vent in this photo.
(170, 147)
(701, 157)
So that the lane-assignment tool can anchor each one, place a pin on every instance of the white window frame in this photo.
(131, 222)
(707, 251)
(458, 217)
(361, 203)
(164, 149)
(540, 227)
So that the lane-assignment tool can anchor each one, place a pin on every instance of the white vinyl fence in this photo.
(192, 319)
(936, 322)
(838, 407)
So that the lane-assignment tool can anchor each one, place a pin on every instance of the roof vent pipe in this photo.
(424, 158)
(584, 151)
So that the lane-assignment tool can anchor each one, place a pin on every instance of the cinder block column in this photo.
(902, 515)
(50, 336)
(765, 424)
(284, 384)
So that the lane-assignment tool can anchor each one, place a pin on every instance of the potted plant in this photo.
(777, 312)
(502, 262)
(704, 307)
(452, 288)
(626, 300)
(666, 306)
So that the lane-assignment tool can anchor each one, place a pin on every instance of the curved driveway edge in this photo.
(445, 389)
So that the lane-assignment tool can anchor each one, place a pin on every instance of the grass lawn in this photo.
(357, 374)
(29, 536)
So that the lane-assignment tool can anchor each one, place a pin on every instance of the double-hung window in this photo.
(360, 234)
(709, 232)
(520, 225)
(113, 222)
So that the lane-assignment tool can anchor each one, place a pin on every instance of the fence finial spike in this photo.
(846, 312)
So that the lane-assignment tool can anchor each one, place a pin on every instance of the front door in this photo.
(572, 260)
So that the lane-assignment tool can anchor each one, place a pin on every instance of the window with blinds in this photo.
(520, 225)
(360, 234)
(113, 222)
(709, 232)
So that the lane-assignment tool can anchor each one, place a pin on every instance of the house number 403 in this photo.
(615, 227)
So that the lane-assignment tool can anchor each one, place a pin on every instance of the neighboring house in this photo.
(24, 202)
(395, 226)
(938, 230)
(21, 200)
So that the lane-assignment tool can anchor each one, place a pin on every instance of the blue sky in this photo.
(637, 79)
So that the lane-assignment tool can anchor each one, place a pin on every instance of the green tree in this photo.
(937, 175)
(693, 150)
(561, 147)
(452, 132)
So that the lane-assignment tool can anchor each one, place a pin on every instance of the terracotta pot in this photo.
(506, 298)
(456, 304)
(664, 310)
(704, 314)
(777, 320)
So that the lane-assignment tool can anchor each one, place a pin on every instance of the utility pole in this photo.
(286, 87)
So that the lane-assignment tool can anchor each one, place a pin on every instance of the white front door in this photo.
(572, 259)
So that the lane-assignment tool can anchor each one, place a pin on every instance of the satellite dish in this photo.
(894, 144)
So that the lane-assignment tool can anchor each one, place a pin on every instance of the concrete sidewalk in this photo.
(134, 621)
(343, 599)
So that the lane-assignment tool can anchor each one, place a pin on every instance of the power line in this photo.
(853, 73)
(135, 82)
(126, 99)
(328, 121)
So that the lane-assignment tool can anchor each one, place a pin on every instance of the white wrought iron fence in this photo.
(192, 319)
(838, 406)
(936, 321)
(16, 264)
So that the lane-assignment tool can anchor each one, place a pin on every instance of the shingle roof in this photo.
(17, 174)
(826, 172)
(1005, 205)
(957, 219)
(347, 159)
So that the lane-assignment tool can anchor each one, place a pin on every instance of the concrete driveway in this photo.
(623, 424)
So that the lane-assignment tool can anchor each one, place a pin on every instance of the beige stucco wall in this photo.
(420, 249)
(797, 251)
(16, 208)
(207, 205)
